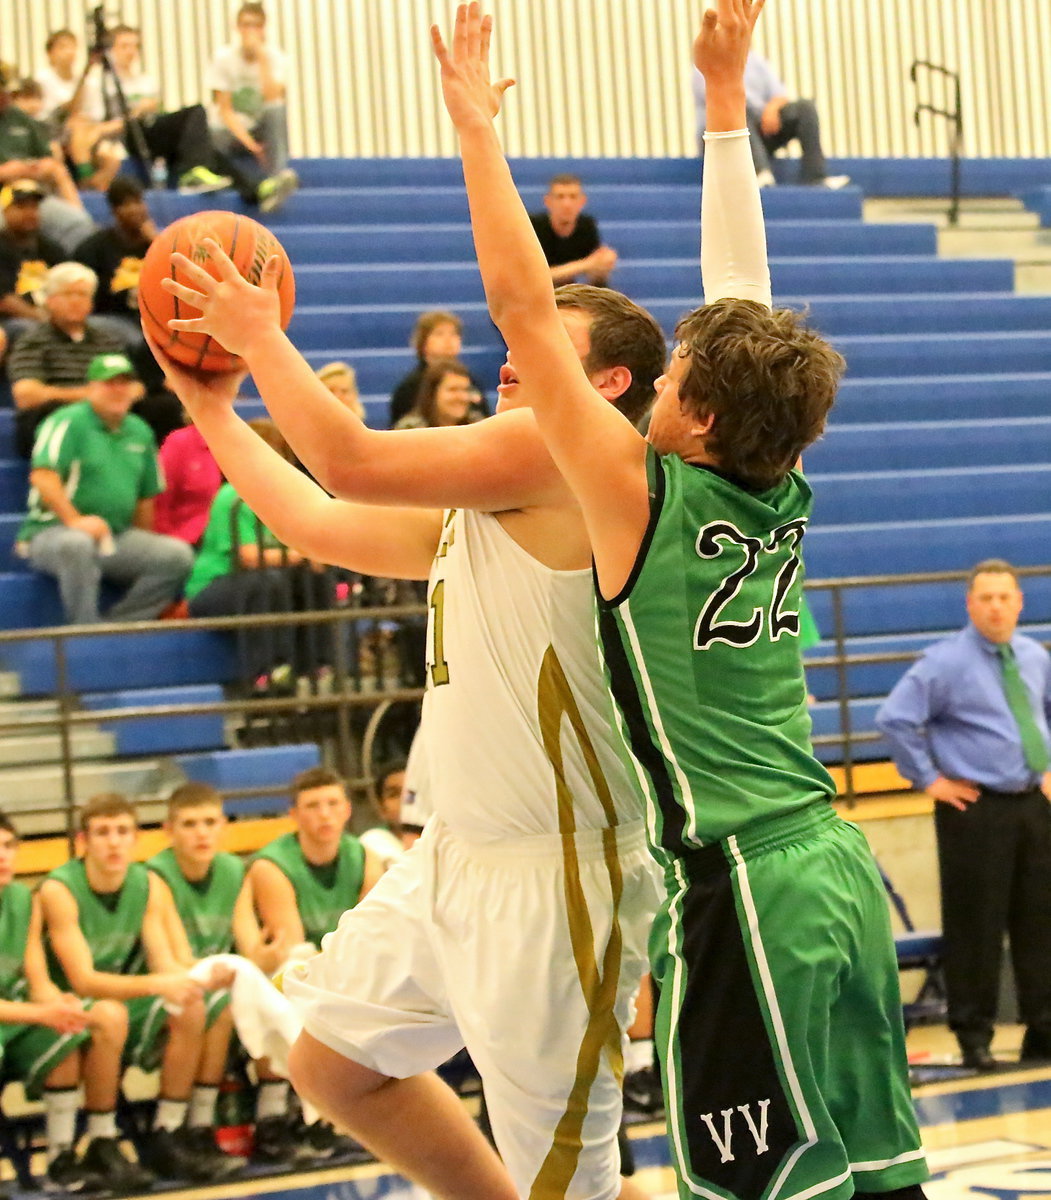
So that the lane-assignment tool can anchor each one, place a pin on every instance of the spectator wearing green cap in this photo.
(93, 477)
(48, 365)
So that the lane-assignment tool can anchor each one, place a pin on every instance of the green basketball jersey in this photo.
(321, 901)
(113, 934)
(16, 903)
(702, 650)
(205, 908)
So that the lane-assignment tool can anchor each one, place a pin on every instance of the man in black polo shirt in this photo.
(49, 364)
(94, 475)
(570, 237)
(25, 256)
(115, 253)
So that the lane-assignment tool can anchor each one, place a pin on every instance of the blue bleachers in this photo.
(162, 735)
(265, 767)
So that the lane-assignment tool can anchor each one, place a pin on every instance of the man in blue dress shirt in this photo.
(968, 724)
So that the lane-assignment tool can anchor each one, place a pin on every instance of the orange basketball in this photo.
(247, 242)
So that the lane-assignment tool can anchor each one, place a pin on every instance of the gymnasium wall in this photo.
(606, 77)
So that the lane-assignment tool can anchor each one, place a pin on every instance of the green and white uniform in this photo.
(27, 1052)
(206, 909)
(323, 894)
(112, 926)
(780, 1016)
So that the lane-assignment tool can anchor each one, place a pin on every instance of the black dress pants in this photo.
(995, 862)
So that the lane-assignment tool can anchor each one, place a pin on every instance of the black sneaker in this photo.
(165, 1153)
(200, 1139)
(105, 1158)
(278, 1142)
(642, 1093)
(327, 1143)
(66, 1174)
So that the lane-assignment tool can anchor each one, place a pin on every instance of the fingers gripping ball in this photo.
(248, 244)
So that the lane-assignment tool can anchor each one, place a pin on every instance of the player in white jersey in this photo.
(518, 925)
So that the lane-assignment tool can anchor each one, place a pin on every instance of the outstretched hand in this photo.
(720, 50)
(470, 95)
(195, 388)
(233, 311)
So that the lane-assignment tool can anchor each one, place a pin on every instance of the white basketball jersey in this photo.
(517, 721)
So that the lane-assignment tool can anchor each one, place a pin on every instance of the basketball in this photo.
(248, 244)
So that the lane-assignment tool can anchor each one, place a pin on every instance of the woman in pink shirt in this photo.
(191, 479)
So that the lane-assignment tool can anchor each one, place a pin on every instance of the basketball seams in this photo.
(242, 238)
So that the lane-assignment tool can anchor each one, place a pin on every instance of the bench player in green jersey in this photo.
(52, 1042)
(212, 905)
(302, 883)
(780, 1018)
(109, 926)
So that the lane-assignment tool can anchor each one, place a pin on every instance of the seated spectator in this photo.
(94, 160)
(48, 365)
(569, 236)
(180, 138)
(342, 381)
(25, 257)
(248, 117)
(243, 569)
(444, 397)
(115, 254)
(114, 934)
(26, 153)
(93, 477)
(383, 838)
(51, 1043)
(774, 120)
(436, 334)
(191, 480)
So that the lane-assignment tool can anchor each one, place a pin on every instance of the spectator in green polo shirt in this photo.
(94, 474)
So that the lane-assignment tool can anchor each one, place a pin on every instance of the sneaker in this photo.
(835, 182)
(66, 1174)
(201, 1140)
(199, 180)
(642, 1093)
(275, 190)
(105, 1157)
(278, 1143)
(765, 178)
(170, 1157)
(323, 1139)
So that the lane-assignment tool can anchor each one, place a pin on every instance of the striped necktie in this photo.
(1033, 746)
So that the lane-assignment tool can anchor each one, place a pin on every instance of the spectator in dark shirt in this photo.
(437, 334)
(25, 256)
(115, 254)
(48, 365)
(570, 237)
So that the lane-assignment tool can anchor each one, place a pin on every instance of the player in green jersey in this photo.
(302, 883)
(780, 1020)
(109, 932)
(52, 1042)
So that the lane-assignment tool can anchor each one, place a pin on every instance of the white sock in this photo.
(272, 1100)
(639, 1056)
(102, 1125)
(170, 1114)
(202, 1105)
(60, 1106)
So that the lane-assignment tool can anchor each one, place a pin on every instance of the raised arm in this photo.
(573, 417)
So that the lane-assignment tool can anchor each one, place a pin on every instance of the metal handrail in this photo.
(345, 697)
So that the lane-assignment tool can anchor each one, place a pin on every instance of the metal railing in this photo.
(355, 711)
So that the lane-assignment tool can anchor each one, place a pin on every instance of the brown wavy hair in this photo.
(767, 379)
(622, 334)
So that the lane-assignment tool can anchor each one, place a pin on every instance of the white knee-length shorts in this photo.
(529, 953)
